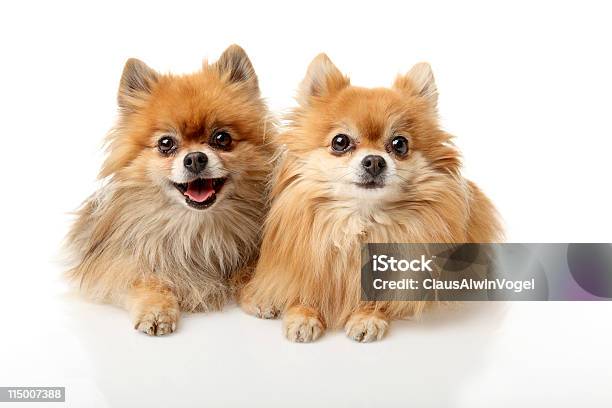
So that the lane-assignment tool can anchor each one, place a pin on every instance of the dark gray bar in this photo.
(464, 272)
(32, 394)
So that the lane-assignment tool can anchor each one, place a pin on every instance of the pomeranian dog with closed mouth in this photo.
(178, 220)
(359, 165)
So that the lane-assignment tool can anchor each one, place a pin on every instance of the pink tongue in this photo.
(200, 192)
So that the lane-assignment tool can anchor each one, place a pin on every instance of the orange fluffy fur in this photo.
(309, 266)
(136, 242)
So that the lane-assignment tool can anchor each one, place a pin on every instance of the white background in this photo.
(524, 87)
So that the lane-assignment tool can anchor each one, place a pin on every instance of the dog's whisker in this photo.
(403, 178)
(344, 175)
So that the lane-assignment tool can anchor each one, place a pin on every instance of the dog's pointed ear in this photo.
(419, 81)
(235, 66)
(322, 79)
(136, 83)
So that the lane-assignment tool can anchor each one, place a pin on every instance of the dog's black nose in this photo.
(374, 164)
(195, 162)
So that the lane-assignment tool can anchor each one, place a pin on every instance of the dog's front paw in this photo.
(366, 328)
(261, 311)
(157, 323)
(302, 325)
(267, 312)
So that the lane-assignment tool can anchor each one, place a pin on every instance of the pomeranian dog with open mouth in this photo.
(178, 221)
(359, 165)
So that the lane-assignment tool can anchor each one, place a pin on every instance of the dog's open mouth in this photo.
(371, 184)
(201, 193)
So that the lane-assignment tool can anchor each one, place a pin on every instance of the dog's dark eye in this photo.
(399, 144)
(166, 144)
(222, 140)
(341, 143)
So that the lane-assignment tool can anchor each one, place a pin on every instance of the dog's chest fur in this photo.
(124, 236)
